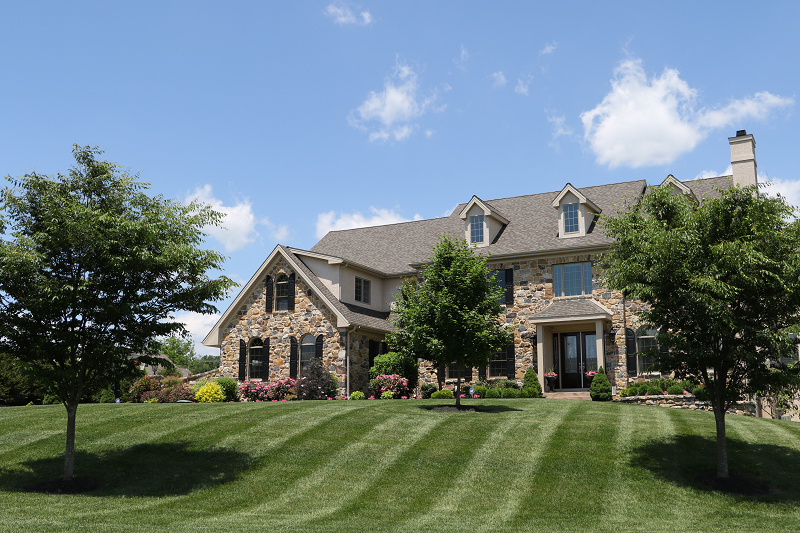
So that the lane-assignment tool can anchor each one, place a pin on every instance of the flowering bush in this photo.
(142, 385)
(182, 392)
(258, 391)
(149, 396)
(210, 393)
(389, 382)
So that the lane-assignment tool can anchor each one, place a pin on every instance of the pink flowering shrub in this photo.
(389, 383)
(258, 391)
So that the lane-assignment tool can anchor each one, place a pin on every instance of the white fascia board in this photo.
(581, 198)
(563, 319)
(487, 211)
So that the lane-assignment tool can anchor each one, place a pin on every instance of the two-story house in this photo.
(546, 249)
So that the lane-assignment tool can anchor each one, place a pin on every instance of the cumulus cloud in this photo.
(461, 60)
(198, 325)
(341, 13)
(238, 221)
(333, 221)
(395, 107)
(548, 49)
(714, 174)
(651, 121)
(499, 79)
(789, 189)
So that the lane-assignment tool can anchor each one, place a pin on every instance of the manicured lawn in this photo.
(526, 465)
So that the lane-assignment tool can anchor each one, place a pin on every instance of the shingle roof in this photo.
(532, 228)
(573, 308)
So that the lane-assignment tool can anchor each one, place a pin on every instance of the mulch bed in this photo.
(734, 484)
(59, 486)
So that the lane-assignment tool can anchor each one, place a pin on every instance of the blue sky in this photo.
(299, 117)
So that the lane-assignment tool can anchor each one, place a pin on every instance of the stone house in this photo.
(334, 300)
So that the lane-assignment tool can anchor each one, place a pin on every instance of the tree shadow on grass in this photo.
(163, 469)
(470, 408)
(771, 471)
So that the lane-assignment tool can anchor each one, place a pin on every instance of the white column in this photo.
(540, 334)
(601, 354)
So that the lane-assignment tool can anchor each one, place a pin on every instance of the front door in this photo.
(578, 355)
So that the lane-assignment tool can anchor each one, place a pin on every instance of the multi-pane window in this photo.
(571, 218)
(256, 362)
(646, 340)
(282, 293)
(498, 366)
(307, 350)
(455, 369)
(572, 279)
(476, 229)
(363, 290)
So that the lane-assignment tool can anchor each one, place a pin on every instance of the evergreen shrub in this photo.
(601, 387)
(493, 393)
(510, 393)
(480, 391)
(230, 387)
(426, 389)
(395, 363)
(675, 389)
(444, 394)
(531, 381)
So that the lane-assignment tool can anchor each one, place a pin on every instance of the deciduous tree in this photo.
(721, 280)
(451, 315)
(91, 270)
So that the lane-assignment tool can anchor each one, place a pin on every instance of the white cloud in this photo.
(341, 13)
(429, 133)
(548, 49)
(198, 325)
(238, 221)
(714, 174)
(448, 212)
(643, 122)
(394, 107)
(333, 221)
(789, 189)
(560, 128)
(461, 61)
(499, 79)
(522, 87)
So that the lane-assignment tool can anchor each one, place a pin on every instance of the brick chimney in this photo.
(743, 159)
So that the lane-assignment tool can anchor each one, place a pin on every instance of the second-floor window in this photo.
(571, 218)
(476, 229)
(572, 279)
(282, 293)
(363, 290)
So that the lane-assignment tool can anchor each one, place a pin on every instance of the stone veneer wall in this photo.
(533, 291)
(310, 316)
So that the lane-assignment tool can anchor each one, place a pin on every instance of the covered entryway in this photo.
(570, 336)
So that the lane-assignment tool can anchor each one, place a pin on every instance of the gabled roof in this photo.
(346, 315)
(488, 210)
(569, 188)
(681, 187)
(572, 310)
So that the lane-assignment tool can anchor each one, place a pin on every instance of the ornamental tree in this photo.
(91, 271)
(451, 315)
(722, 281)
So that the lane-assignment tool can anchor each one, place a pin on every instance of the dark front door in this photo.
(578, 355)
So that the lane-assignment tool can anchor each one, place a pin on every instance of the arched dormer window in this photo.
(282, 293)
(255, 353)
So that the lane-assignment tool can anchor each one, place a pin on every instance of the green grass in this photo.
(526, 465)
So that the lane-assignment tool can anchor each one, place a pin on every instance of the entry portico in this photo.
(570, 338)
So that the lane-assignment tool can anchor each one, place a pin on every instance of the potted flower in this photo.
(551, 377)
(589, 376)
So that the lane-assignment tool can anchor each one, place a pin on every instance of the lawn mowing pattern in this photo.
(526, 465)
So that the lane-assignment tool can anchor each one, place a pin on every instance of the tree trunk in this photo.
(458, 388)
(69, 452)
(722, 444)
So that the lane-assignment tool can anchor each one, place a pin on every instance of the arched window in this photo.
(307, 350)
(646, 339)
(282, 293)
(256, 361)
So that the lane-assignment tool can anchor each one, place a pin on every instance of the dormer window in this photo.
(576, 212)
(476, 229)
(571, 218)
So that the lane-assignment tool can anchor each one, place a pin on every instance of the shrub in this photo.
(504, 384)
(426, 389)
(444, 394)
(357, 395)
(315, 382)
(530, 392)
(395, 363)
(601, 387)
(258, 391)
(150, 396)
(230, 387)
(200, 383)
(107, 396)
(181, 392)
(142, 385)
(210, 393)
(387, 395)
(510, 393)
(492, 393)
(675, 389)
(171, 371)
(699, 392)
(393, 383)
(170, 382)
(651, 390)
(531, 381)
(480, 391)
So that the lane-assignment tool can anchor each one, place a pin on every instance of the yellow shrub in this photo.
(211, 392)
